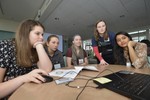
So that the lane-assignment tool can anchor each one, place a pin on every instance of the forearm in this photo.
(132, 54)
(69, 62)
(10, 86)
(95, 49)
(44, 61)
(138, 57)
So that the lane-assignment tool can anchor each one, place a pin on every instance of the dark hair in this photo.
(118, 51)
(146, 41)
(51, 36)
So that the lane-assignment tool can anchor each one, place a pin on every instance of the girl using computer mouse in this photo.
(127, 51)
(23, 59)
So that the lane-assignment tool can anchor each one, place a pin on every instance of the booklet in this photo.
(67, 73)
(92, 68)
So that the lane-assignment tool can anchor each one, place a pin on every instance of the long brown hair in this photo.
(26, 54)
(96, 33)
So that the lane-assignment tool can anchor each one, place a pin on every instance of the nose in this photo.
(56, 45)
(41, 36)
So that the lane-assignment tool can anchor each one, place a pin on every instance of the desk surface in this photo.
(51, 91)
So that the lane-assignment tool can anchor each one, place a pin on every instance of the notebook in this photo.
(133, 85)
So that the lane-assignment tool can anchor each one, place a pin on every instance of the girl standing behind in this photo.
(76, 55)
(102, 43)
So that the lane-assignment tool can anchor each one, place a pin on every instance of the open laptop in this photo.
(133, 85)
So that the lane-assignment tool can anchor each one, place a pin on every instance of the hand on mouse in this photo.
(34, 76)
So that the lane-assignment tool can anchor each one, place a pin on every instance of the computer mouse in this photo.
(47, 78)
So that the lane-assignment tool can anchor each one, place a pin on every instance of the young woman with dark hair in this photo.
(54, 54)
(128, 52)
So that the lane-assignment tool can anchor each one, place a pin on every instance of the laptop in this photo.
(133, 85)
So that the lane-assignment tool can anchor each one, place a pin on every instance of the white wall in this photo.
(8, 25)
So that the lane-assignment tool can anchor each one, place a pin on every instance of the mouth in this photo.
(123, 44)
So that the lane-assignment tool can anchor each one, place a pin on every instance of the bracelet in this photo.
(35, 44)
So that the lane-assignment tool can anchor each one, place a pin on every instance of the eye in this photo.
(124, 37)
(37, 33)
(118, 40)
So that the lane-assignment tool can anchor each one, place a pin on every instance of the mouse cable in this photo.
(68, 84)
(87, 83)
(94, 78)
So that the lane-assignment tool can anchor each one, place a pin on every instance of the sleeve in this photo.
(94, 42)
(112, 37)
(4, 61)
(69, 53)
(95, 49)
(141, 51)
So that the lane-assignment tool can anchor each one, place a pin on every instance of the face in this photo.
(53, 44)
(36, 35)
(101, 27)
(122, 40)
(77, 41)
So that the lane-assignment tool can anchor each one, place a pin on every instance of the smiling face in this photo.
(122, 40)
(77, 41)
(36, 34)
(53, 44)
(101, 27)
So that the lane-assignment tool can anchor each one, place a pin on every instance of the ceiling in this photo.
(69, 17)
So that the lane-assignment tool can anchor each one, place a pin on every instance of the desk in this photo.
(51, 91)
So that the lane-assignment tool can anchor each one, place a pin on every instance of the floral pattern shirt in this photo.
(8, 60)
(141, 52)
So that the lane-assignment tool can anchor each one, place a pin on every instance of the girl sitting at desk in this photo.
(76, 55)
(23, 59)
(128, 52)
(54, 54)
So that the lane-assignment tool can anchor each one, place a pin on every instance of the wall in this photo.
(7, 28)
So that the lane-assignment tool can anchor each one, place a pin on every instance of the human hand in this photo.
(103, 62)
(34, 76)
(131, 43)
(37, 43)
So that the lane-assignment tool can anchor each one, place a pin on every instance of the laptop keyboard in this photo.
(133, 84)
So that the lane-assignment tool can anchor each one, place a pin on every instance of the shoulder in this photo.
(58, 52)
(111, 34)
(7, 43)
(69, 52)
(141, 45)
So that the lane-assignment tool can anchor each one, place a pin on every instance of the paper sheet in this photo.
(68, 73)
(102, 80)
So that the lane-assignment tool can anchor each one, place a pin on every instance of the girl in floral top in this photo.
(128, 52)
(19, 56)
